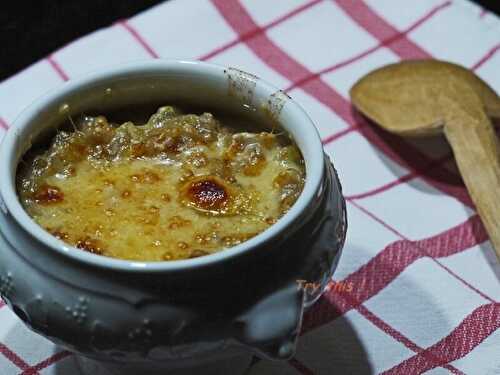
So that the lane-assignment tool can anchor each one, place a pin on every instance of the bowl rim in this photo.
(12, 205)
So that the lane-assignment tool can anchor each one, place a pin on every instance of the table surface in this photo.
(23, 24)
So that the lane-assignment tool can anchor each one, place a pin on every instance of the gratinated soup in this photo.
(179, 186)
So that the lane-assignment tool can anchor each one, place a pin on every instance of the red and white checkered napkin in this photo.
(417, 288)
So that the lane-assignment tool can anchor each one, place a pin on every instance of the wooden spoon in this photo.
(421, 98)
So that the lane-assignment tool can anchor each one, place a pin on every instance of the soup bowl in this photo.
(249, 298)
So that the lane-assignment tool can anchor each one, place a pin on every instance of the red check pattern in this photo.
(424, 285)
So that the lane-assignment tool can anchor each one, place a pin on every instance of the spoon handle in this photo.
(477, 152)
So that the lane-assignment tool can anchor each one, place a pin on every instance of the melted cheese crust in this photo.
(180, 186)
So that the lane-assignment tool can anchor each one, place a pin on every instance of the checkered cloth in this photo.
(417, 288)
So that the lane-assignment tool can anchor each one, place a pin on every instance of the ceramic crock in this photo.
(248, 298)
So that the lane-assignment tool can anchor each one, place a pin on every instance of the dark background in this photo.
(31, 29)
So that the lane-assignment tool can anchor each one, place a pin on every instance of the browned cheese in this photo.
(179, 186)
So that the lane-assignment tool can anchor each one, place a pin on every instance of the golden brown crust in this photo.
(48, 194)
(90, 244)
(180, 186)
(207, 193)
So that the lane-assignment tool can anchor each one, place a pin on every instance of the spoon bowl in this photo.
(405, 98)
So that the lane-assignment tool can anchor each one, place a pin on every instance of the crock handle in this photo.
(272, 325)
